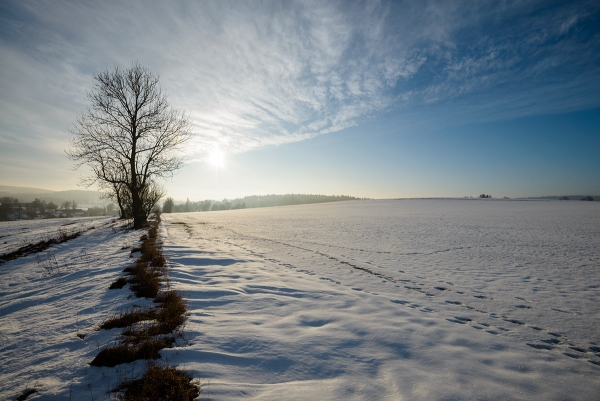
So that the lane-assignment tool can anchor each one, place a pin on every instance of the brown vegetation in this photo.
(28, 249)
(128, 318)
(26, 394)
(160, 383)
(126, 353)
(148, 330)
(118, 283)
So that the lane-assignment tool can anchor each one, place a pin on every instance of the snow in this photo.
(41, 314)
(15, 234)
(365, 300)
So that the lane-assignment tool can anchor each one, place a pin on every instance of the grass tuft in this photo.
(146, 282)
(119, 354)
(160, 383)
(171, 313)
(118, 284)
(26, 394)
(128, 318)
(148, 330)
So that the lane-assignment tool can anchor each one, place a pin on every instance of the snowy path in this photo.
(279, 313)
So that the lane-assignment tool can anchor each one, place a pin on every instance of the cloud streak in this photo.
(256, 74)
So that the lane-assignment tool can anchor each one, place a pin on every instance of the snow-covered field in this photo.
(369, 300)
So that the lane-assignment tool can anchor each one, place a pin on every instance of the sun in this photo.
(216, 158)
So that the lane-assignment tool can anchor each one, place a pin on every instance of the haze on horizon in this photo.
(375, 99)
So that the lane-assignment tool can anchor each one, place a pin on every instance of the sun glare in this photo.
(216, 158)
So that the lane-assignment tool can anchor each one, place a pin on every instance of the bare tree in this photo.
(129, 137)
(151, 195)
(168, 205)
(119, 193)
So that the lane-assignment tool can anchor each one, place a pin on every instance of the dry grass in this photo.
(145, 281)
(23, 396)
(118, 283)
(169, 316)
(124, 353)
(171, 313)
(149, 268)
(129, 318)
(152, 254)
(147, 331)
(160, 383)
(63, 236)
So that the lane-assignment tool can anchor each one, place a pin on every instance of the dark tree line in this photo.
(254, 201)
(11, 208)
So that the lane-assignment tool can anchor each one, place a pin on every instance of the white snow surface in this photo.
(41, 314)
(360, 300)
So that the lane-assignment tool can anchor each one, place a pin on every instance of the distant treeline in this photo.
(252, 202)
(25, 194)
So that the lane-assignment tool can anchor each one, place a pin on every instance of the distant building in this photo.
(68, 212)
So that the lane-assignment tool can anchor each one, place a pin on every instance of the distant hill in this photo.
(27, 194)
(10, 190)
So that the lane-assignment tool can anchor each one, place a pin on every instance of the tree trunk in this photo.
(139, 217)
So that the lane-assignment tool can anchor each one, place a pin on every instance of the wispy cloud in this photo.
(255, 74)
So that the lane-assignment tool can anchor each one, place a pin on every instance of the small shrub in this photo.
(47, 262)
(117, 355)
(118, 284)
(26, 394)
(171, 314)
(160, 383)
(136, 269)
(145, 283)
(114, 356)
(150, 252)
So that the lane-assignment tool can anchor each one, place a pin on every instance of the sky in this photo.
(378, 99)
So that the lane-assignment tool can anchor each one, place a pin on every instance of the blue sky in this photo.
(374, 99)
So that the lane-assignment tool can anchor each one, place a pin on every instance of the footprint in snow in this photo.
(515, 321)
(456, 321)
(459, 320)
(541, 346)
